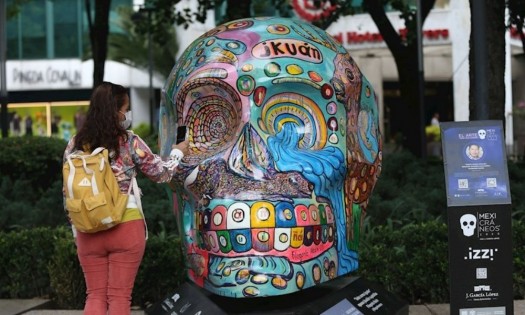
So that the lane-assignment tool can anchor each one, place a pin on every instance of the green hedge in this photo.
(410, 262)
(31, 187)
(31, 182)
(412, 190)
(42, 262)
(23, 263)
(36, 159)
(404, 242)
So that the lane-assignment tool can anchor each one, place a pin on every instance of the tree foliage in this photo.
(131, 47)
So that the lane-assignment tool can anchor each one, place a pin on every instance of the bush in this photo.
(65, 274)
(23, 263)
(31, 182)
(161, 271)
(411, 262)
(518, 252)
(409, 190)
(157, 206)
(36, 159)
(517, 186)
(25, 207)
(31, 187)
(404, 246)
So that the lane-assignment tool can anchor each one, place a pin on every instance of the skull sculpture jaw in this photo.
(285, 151)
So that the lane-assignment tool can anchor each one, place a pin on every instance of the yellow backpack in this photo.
(93, 198)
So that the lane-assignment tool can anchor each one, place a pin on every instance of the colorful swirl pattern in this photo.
(285, 151)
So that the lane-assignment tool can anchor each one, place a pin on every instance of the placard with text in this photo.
(479, 218)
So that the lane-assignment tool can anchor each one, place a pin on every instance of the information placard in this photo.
(475, 163)
(479, 218)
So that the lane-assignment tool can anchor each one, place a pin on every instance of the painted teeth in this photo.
(264, 227)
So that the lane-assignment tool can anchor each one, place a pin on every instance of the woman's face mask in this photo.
(126, 123)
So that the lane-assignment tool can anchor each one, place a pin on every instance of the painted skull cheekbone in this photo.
(285, 150)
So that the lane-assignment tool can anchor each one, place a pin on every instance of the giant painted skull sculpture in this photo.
(285, 150)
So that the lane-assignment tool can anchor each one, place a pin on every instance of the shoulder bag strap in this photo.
(134, 184)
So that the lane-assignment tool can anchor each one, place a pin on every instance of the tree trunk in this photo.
(487, 79)
(98, 35)
(405, 54)
(413, 130)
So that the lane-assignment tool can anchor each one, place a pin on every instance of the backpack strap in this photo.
(71, 176)
(134, 184)
(136, 194)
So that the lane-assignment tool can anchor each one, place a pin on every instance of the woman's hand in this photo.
(183, 147)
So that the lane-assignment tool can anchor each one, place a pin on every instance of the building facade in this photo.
(446, 33)
(49, 78)
(49, 75)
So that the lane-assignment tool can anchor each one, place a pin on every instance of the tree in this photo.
(131, 47)
(98, 36)
(487, 84)
(404, 49)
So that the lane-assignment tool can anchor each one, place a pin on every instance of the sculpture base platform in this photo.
(342, 296)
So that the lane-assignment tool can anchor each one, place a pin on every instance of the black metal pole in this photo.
(480, 59)
(421, 81)
(3, 59)
(150, 68)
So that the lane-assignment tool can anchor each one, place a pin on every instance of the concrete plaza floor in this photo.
(33, 307)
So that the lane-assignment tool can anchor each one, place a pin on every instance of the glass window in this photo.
(33, 27)
(13, 38)
(52, 29)
(56, 119)
(66, 24)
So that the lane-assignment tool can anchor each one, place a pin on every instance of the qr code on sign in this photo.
(463, 183)
(481, 273)
(491, 182)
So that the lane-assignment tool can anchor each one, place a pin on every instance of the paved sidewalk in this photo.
(32, 307)
(37, 307)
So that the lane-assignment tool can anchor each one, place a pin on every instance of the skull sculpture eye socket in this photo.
(284, 153)
(211, 110)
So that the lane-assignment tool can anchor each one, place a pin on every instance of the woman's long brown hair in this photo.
(102, 126)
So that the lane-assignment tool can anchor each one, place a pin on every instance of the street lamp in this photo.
(137, 16)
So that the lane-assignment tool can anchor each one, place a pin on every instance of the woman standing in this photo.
(110, 259)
